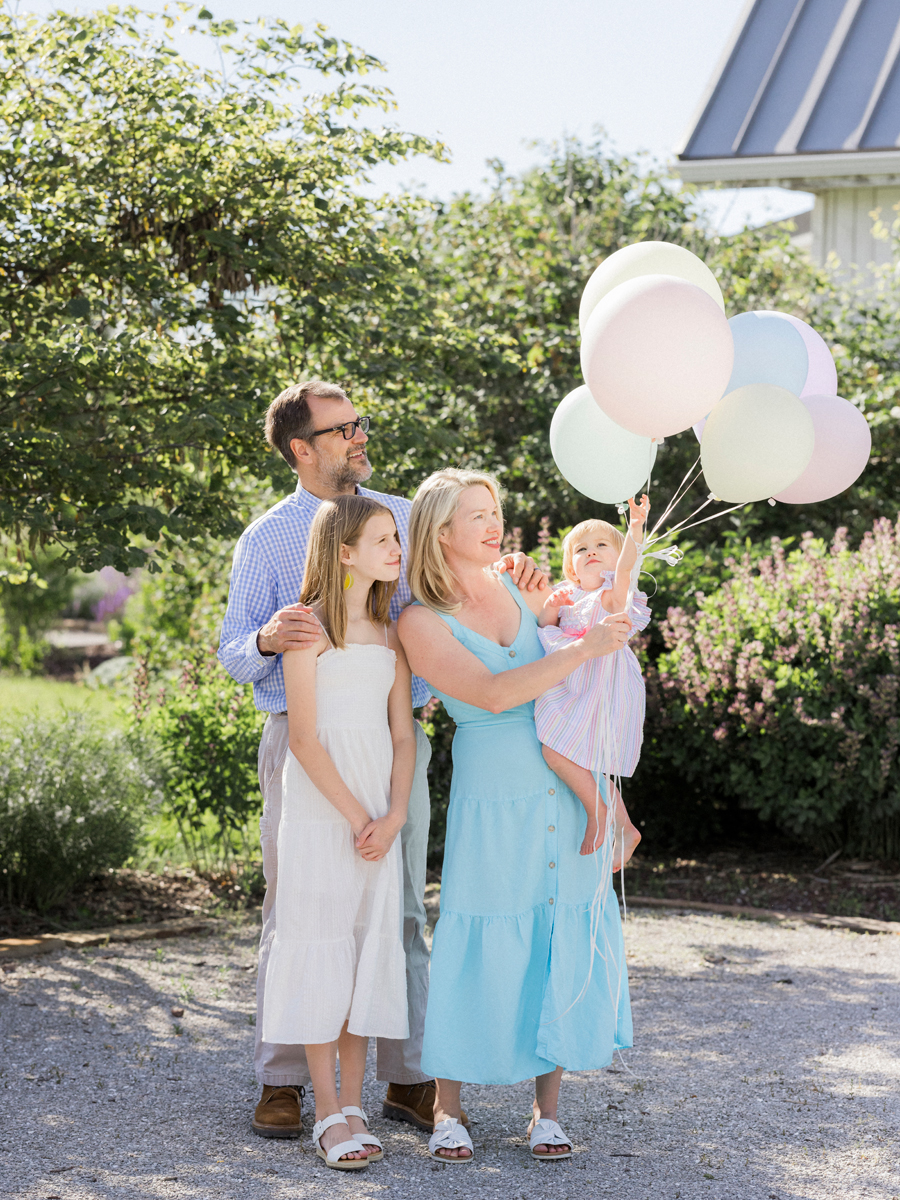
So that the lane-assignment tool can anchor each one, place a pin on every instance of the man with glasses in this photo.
(316, 429)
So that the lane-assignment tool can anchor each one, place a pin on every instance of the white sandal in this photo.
(548, 1133)
(450, 1135)
(333, 1157)
(367, 1139)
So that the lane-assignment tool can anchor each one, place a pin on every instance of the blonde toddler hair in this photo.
(570, 541)
(340, 523)
(434, 506)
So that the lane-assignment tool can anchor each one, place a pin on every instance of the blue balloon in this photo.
(767, 350)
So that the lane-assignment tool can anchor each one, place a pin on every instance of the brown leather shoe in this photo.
(278, 1112)
(414, 1103)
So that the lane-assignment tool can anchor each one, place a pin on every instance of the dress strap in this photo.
(516, 594)
(386, 638)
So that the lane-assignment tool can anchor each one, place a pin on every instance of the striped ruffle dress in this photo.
(595, 717)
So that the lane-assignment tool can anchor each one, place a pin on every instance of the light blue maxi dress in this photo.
(514, 991)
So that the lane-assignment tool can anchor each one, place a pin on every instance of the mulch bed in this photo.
(773, 880)
(844, 887)
(128, 897)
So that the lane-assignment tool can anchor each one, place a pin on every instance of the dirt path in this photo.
(767, 1064)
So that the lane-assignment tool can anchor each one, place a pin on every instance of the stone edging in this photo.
(854, 924)
(12, 948)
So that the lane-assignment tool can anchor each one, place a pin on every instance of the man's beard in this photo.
(343, 476)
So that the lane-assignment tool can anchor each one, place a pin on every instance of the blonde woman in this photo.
(513, 993)
(336, 975)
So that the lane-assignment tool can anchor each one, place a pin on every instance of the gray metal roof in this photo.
(804, 77)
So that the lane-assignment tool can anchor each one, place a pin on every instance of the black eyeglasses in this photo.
(348, 429)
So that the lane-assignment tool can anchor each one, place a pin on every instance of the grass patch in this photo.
(48, 696)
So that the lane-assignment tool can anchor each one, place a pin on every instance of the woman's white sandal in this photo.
(548, 1133)
(333, 1157)
(450, 1135)
(367, 1139)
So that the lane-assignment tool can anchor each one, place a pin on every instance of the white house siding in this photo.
(842, 224)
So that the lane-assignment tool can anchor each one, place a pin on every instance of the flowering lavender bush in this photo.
(780, 691)
(72, 795)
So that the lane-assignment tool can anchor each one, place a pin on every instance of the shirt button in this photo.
(551, 899)
(552, 828)
(512, 654)
(553, 865)
(551, 791)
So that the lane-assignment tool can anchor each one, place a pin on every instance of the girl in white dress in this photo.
(337, 972)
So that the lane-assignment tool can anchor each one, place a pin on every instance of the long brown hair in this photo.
(340, 523)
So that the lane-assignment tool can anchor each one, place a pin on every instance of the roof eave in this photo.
(805, 172)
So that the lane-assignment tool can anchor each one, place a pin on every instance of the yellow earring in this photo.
(348, 581)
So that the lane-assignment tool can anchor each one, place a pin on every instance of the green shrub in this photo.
(207, 729)
(779, 695)
(73, 792)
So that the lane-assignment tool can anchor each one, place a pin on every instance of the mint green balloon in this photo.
(596, 456)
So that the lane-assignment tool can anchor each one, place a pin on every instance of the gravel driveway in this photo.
(767, 1064)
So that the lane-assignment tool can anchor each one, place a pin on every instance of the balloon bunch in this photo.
(659, 357)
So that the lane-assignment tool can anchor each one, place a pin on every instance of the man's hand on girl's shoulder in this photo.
(523, 571)
(293, 628)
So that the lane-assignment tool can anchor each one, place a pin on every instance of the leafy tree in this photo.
(159, 223)
(471, 356)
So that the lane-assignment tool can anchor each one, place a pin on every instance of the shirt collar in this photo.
(308, 501)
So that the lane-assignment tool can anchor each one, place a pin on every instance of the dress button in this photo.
(553, 865)
(552, 828)
(551, 791)
(512, 654)
(551, 899)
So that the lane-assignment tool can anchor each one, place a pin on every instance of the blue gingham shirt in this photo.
(266, 575)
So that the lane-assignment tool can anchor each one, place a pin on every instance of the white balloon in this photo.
(646, 258)
(657, 354)
(758, 439)
(596, 456)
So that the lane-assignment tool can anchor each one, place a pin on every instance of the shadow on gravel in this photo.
(760, 1071)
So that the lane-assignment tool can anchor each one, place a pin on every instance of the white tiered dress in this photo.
(338, 950)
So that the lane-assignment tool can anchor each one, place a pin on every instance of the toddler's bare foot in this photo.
(625, 845)
(593, 836)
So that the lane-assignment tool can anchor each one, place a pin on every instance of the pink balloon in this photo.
(657, 353)
(821, 378)
(698, 429)
(842, 447)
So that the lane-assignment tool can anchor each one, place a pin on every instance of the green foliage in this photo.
(468, 364)
(206, 726)
(73, 792)
(34, 587)
(778, 693)
(208, 731)
(440, 727)
(174, 240)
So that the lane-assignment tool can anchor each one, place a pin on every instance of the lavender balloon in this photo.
(841, 450)
(821, 377)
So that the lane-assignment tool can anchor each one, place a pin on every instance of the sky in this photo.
(490, 77)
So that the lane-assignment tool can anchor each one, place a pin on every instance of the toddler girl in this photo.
(594, 720)
(337, 971)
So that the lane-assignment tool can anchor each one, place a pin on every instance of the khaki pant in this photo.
(398, 1062)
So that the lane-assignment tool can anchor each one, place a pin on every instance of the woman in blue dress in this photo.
(527, 969)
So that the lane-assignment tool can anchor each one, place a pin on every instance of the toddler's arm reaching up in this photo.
(615, 598)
